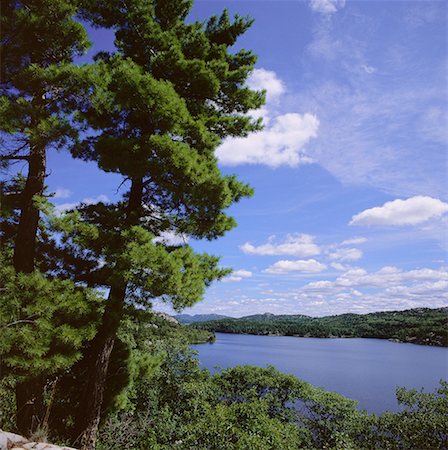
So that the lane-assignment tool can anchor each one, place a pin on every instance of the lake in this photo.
(367, 370)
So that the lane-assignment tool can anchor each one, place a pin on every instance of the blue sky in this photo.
(350, 174)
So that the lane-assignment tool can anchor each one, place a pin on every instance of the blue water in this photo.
(367, 370)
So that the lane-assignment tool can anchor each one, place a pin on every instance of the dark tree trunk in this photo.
(102, 350)
(29, 394)
(105, 339)
(30, 405)
(25, 244)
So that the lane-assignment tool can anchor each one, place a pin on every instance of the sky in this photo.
(350, 210)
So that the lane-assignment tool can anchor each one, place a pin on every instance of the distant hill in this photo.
(187, 318)
(270, 316)
(420, 326)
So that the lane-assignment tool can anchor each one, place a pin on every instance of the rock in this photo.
(11, 441)
(167, 317)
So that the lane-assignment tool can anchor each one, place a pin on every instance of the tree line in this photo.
(153, 111)
(420, 326)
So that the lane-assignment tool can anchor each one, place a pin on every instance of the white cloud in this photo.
(346, 254)
(284, 137)
(385, 278)
(326, 6)
(62, 193)
(266, 79)
(356, 291)
(354, 241)
(280, 144)
(238, 275)
(171, 238)
(286, 266)
(352, 105)
(294, 244)
(368, 69)
(412, 211)
(339, 266)
(359, 291)
(86, 201)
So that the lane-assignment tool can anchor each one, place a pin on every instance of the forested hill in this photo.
(420, 326)
(187, 318)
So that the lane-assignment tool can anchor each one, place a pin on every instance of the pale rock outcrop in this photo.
(167, 317)
(11, 441)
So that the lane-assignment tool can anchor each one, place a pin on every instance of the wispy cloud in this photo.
(381, 105)
(288, 266)
(238, 275)
(172, 238)
(86, 201)
(354, 241)
(62, 193)
(294, 245)
(326, 7)
(356, 290)
(346, 254)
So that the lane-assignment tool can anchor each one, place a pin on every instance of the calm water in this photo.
(367, 370)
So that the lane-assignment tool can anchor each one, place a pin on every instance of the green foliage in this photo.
(43, 323)
(140, 349)
(40, 87)
(419, 326)
(180, 406)
(170, 94)
(422, 423)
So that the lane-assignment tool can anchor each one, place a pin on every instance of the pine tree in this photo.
(38, 96)
(171, 93)
(44, 321)
(38, 84)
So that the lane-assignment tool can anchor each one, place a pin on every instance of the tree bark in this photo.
(29, 394)
(25, 243)
(105, 339)
(30, 405)
(100, 362)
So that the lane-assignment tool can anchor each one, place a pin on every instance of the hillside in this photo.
(419, 326)
(187, 318)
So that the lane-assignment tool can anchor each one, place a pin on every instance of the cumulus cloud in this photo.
(386, 278)
(295, 244)
(238, 275)
(346, 254)
(262, 79)
(282, 143)
(287, 266)
(411, 211)
(326, 7)
(86, 201)
(284, 137)
(62, 193)
(356, 290)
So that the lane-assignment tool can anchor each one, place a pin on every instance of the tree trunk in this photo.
(29, 394)
(30, 405)
(101, 355)
(25, 243)
(105, 339)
